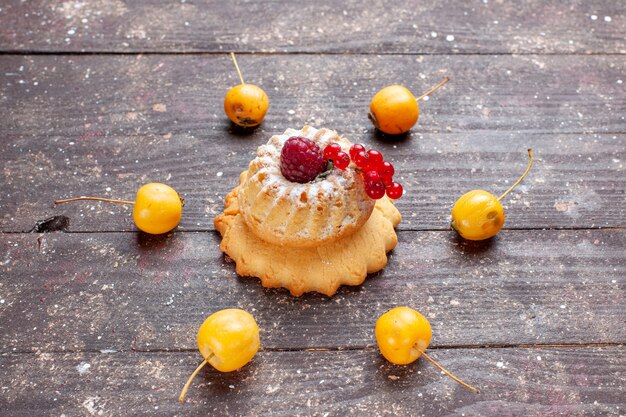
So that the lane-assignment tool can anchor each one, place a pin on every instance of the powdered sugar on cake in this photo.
(285, 212)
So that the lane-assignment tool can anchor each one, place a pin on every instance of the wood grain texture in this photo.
(123, 291)
(156, 94)
(101, 125)
(513, 382)
(444, 27)
(576, 181)
(102, 320)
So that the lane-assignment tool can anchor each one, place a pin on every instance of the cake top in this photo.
(284, 212)
(322, 187)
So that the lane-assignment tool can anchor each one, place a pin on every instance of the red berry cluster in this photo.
(333, 152)
(377, 173)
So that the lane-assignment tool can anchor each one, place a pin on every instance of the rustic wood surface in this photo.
(98, 97)
(578, 183)
(533, 382)
(442, 27)
(153, 293)
(111, 123)
(143, 95)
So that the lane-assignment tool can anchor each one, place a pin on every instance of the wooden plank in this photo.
(530, 382)
(131, 120)
(444, 27)
(156, 94)
(576, 181)
(77, 292)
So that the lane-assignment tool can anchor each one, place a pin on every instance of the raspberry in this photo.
(341, 160)
(331, 150)
(301, 160)
(395, 191)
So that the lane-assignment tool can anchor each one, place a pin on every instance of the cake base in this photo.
(323, 268)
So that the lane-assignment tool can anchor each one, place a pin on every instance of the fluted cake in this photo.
(302, 215)
(306, 237)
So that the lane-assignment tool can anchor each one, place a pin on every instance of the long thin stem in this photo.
(442, 369)
(232, 56)
(530, 163)
(183, 393)
(432, 90)
(106, 200)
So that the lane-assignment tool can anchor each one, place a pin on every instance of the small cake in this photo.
(288, 213)
(311, 235)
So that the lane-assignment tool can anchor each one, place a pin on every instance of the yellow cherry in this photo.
(394, 109)
(228, 340)
(478, 214)
(403, 334)
(245, 104)
(157, 207)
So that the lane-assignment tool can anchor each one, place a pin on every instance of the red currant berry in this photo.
(341, 160)
(395, 191)
(386, 170)
(356, 149)
(376, 159)
(375, 190)
(361, 159)
(371, 176)
(331, 150)
(387, 181)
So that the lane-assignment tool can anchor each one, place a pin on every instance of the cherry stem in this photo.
(432, 90)
(530, 163)
(183, 393)
(232, 56)
(107, 200)
(442, 369)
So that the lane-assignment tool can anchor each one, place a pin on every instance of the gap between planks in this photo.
(18, 52)
(403, 230)
(366, 348)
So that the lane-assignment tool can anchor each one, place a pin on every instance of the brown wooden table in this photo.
(99, 97)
